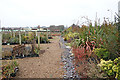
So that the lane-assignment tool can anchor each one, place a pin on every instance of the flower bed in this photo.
(90, 44)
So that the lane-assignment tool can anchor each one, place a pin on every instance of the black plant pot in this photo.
(15, 71)
(36, 55)
(4, 58)
(25, 56)
(7, 58)
(17, 57)
(32, 55)
(4, 43)
(13, 74)
(21, 57)
(28, 55)
(11, 57)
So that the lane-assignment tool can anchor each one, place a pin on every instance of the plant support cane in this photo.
(0, 45)
(0, 53)
(19, 38)
(39, 40)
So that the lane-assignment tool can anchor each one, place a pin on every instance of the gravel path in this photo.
(67, 59)
(48, 65)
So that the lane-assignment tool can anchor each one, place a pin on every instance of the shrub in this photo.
(8, 68)
(102, 53)
(43, 39)
(111, 68)
(6, 53)
(36, 50)
(93, 71)
(116, 67)
(13, 40)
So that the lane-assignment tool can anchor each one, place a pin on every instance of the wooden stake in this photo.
(19, 38)
(0, 44)
(38, 40)
(0, 52)
(13, 34)
(36, 33)
(47, 33)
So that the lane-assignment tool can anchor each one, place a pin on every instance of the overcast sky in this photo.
(22, 13)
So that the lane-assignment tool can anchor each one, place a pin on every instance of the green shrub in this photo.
(111, 68)
(13, 40)
(102, 53)
(77, 42)
(8, 68)
(116, 67)
(36, 50)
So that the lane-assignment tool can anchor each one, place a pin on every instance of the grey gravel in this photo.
(67, 60)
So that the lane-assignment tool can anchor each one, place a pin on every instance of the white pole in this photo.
(19, 38)
(25, 33)
(0, 49)
(0, 41)
(38, 40)
(36, 33)
(0, 52)
(47, 33)
(0, 44)
(14, 34)
(38, 37)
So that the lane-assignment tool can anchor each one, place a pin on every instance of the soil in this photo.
(47, 65)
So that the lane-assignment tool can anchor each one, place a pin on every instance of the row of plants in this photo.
(21, 51)
(92, 44)
(9, 69)
(25, 38)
